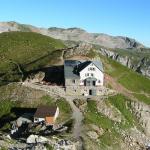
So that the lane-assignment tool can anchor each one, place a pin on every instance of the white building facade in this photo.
(83, 77)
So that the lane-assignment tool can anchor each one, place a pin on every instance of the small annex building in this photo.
(83, 77)
(48, 114)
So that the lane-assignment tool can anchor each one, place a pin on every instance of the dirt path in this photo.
(121, 89)
(78, 117)
(118, 87)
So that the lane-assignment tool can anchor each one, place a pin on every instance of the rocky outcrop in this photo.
(33, 139)
(142, 112)
(38, 77)
(143, 65)
(37, 142)
(109, 111)
(134, 139)
(78, 49)
(93, 135)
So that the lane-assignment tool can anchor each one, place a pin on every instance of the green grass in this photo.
(93, 116)
(26, 51)
(127, 77)
(3, 148)
(5, 107)
(91, 54)
(123, 105)
(110, 136)
(143, 98)
(49, 147)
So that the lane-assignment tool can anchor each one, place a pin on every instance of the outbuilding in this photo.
(48, 114)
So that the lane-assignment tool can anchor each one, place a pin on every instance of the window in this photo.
(99, 81)
(73, 81)
(87, 74)
(92, 74)
(91, 69)
(94, 83)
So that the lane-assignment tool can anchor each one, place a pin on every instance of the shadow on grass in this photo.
(15, 113)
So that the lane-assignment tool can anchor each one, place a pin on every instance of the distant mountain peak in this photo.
(75, 34)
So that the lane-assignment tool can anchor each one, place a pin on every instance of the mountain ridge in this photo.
(75, 34)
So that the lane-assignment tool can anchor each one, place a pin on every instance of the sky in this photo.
(115, 17)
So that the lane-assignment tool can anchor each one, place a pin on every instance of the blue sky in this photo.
(115, 17)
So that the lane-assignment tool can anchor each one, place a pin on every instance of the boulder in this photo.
(36, 139)
(93, 135)
(98, 130)
(80, 103)
(38, 77)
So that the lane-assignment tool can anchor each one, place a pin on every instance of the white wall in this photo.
(98, 74)
(36, 120)
(56, 114)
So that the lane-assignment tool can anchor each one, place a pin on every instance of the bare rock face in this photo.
(143, 66)
(81, 49)
(109, 111)
(111, 54)
(142, 112)
(35, 138)
(38, 77)
(93, 135)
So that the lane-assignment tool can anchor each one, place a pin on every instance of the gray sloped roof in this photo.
(73, 67)
(98, 64)
(69, 66)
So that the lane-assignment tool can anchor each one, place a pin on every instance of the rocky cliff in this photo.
(142, 64)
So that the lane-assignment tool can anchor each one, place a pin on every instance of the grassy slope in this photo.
(128, 78)
(111, 137)
(27, 50)
(137, 84)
